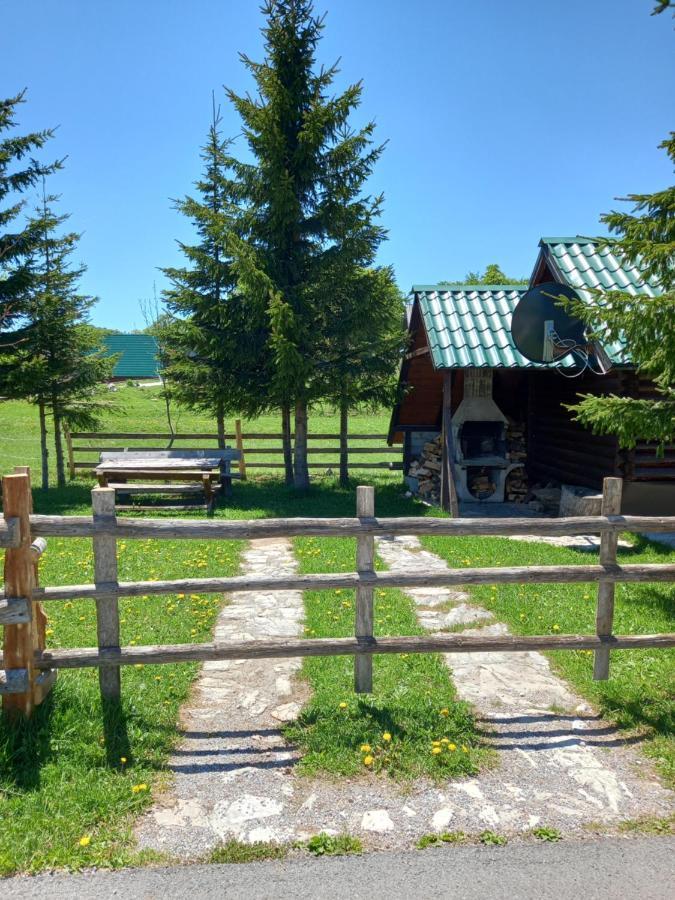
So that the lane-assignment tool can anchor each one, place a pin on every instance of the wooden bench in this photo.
(169, 472)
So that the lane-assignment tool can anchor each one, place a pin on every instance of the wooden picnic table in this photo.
(168, 471)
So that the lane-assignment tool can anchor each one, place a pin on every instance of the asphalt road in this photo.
(636, 868)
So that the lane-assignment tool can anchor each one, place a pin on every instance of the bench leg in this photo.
(208, 493)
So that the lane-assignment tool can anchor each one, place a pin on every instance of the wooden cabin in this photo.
(503, 419)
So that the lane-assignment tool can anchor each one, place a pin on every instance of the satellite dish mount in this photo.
(544, 332)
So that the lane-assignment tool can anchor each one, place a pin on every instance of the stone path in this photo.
(234, 774)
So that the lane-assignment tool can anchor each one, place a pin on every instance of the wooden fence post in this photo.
(107, 607)
(604, 616)
(23, 640)
(365, 564)
(69, 450)
(240, 447)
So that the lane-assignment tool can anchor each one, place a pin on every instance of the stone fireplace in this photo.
(479, 440)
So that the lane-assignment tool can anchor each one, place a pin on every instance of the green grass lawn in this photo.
(412, 724)
(640, 693)
(68, 799)
(136, 409)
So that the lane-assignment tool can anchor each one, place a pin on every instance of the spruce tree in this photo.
(209, 343)
(57, 364)
(303, 211)
(19, 171)
(361, 343)
(646, 238)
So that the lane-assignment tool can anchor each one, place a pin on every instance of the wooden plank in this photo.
(279, 649)
(316, 451)
(240, 448)
(14, 610)
(604, 617)
(69, 449)
(107, 609)
(365, 565)
(207, 436)
(21, 640)
(157, 488)
(448, 489)
(248, 529)
(156, 474)
(13, 681)
(10, 531)
(629, 574)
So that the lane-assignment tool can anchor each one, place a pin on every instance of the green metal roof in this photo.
(469, 325)
(138, 355)
(582, 263)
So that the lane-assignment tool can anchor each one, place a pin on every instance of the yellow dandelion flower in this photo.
(84, 841)
(556, 628)
(386, 737)
(465, 749)
(368, 760)
(49, 631)
(435, 750)
(365, 748)
(123, 759)
(343, 705)
(445, 741)
(445, 712)
(137, 788)
(452, 747)
(435, 743)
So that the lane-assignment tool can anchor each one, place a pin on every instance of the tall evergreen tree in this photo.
(303, 211)
(56, 364)
(361, 344)
(19, 171)
(208, 342)
(646, 238)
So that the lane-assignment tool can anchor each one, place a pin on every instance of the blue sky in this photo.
(505, 120)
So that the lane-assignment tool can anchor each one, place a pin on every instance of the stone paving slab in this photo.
(234, 773)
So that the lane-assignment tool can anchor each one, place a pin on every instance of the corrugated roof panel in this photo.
(138, 355)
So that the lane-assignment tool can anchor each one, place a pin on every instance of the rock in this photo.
(286, 712)
(377, 820)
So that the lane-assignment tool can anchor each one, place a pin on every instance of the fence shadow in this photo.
(26, 745)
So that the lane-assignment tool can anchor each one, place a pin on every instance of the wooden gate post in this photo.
(107, 607)
(69, 450)
(611, 506)
(365, 565)
(240, 447)
(26, 638)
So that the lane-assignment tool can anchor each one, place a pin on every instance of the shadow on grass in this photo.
(25, 745)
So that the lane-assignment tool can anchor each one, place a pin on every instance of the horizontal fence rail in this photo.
(249, 443)
(30, 668)
(248, 529)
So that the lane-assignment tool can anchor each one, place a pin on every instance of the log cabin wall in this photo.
(560, 449)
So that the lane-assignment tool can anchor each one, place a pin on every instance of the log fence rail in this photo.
(257, 444)
(30, 668)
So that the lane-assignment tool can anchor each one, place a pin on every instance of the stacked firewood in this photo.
(516, 488)
(481, 485)
(427, 470)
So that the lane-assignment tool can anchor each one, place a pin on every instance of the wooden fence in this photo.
(265, 447)
(30, 667)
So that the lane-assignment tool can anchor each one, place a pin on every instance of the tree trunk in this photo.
(58, 445)
(301, 472)
(287, 445)
(344, 455)
(220, 424)
(44, 449)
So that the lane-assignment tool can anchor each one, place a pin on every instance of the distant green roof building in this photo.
(138, 355)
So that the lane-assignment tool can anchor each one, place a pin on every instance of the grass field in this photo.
(640, 694)
(67, 799)
(136, 409)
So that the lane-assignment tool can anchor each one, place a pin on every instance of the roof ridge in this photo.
(446, 288)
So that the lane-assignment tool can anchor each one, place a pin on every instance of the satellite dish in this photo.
(543, 331)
